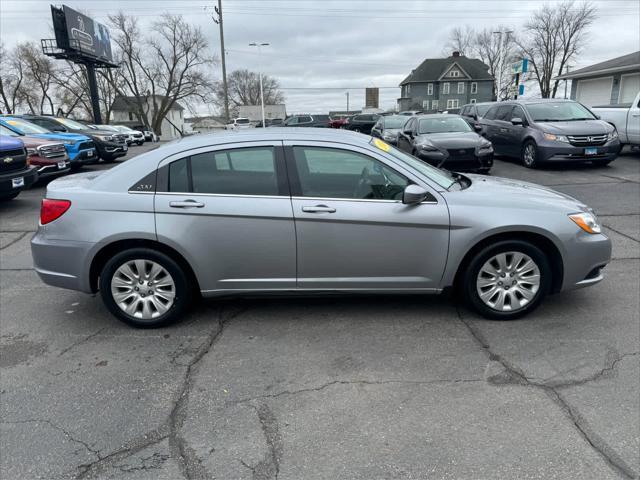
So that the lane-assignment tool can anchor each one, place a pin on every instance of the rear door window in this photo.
(491, 113)
(504, 113)
(242, 171)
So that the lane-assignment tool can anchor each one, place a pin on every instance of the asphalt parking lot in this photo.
(328, 388)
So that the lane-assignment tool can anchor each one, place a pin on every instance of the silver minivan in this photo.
(284, 210)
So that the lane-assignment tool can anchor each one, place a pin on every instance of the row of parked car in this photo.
(34, 147)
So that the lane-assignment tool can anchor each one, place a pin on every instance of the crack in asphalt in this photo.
(620, 233)
(190, 465)
(83, 340)
(353, 382)
(15, 240)
(60, 429)
(517, 377)
(269, 467)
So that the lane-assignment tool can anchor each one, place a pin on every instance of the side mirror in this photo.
(517, 121)
(598, 117)
(414, 194)
(407, 132)
(477, 127)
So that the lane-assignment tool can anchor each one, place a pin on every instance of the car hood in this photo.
(10, 143)
(581, 127)
(33, 141)
(451, 139)
(62, 136)
(392, 131)
(498, 191)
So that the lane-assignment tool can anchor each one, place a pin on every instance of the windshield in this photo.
(482, 109)
(441, 177)
(394, 122)
(26, 127)
(242, 120)
(72, 124)
(108, 127)
(442, 125)
(7, 131)
(558, 112)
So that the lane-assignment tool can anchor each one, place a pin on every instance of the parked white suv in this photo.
(238, 123)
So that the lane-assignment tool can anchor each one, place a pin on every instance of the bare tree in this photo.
(244, 89)
(487, 48)
(171, 64)
(552, 38)
(10, 80)
(461, 39)
(39, 72)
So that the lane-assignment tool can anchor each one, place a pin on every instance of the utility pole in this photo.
(347, 94)
(218, 20)
(565, 82)
(260, 45)
(502, 34)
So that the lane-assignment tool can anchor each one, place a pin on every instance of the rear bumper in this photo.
(29, 176)
(61, 263)
(552, 152)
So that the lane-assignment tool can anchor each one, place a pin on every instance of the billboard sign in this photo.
(520, 67)
(371, 97)
(77, 32)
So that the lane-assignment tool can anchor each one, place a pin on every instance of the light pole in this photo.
(347, 94)
(260, 45)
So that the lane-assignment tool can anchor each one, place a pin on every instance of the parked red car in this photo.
(48, 157)
(338, 121)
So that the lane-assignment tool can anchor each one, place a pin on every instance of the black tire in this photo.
(183, 288)
(527, 160)
(471, 273)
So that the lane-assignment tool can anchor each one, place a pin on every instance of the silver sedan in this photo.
(306, 210)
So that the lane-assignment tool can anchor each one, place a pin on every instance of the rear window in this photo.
(482, 109)
(244, 171)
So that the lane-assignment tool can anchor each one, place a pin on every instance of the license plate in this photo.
(62, 165)
(590, 151)
(17, 182)
(90, 153)
(124, 148)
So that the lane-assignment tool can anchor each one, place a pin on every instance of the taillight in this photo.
(51, 209)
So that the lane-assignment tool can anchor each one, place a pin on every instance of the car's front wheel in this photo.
(529, 154)
(507, 280)
(145, 288)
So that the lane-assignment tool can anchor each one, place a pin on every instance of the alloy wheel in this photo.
(529, 154)
(508, 281)
(143, 289)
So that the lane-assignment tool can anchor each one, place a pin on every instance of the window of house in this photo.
(408, 89)
(452, 103)
(335, 173)
(473, 100)
(425, 104)
(429, 88)
(445, 88)
(460, 87)
(474, 87)
(130, 115)
(243, 171)
(434, 105)
(454, 73)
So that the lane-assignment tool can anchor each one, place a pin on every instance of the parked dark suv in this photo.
(362, 123)
(110, 145)
(473, 112)
(321, 121)
(549, 130)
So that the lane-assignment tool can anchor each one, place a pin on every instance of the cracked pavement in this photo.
(351, 387)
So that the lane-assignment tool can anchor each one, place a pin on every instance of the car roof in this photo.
(437, 115)
(530, 101)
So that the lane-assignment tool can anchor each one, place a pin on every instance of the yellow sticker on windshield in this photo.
(381, 145)
(12, 122)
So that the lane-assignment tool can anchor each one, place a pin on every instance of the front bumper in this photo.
(584, 258)
(83, 156)
(50, 167)
(550, 151)
(9, 180)
(110, 150)
(440, 159)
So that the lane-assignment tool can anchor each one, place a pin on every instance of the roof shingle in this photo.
(432, 69)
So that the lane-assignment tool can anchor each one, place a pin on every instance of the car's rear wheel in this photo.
(145, 288)
(529, 155)
(507, 280)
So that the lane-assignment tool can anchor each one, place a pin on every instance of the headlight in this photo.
(612, 135)
(586, 221)
(485, 146)
(69, 142)
(31, 151)
(104, 138)
(556, 138)
(388, 136)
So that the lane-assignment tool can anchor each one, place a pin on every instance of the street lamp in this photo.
(260, 45)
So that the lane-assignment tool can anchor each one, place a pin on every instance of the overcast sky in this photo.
(320, 49)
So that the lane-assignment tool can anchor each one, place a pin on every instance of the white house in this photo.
(606, 83)
(123, 111)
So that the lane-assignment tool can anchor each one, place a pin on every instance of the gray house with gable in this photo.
(439, 84)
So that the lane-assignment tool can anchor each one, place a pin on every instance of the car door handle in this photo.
(186, 204)
(503, 130)
(319, 209)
